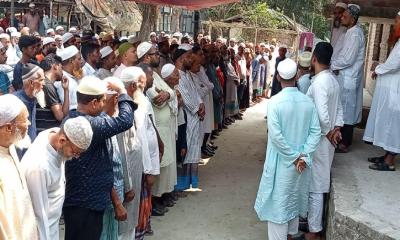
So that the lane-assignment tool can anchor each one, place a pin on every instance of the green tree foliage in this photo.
(308, 13)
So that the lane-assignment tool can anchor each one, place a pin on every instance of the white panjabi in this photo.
(167, 70)
(287, 69)
(143, 48)
(91, 85)
(10, 108)
(131, 74)
(79, 132)
(105, 51)
(67, 52)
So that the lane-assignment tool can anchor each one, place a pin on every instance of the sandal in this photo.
(382, 166)
(376, 159)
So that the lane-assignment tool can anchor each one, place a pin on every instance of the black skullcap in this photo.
(28, 70)
(178, 53)
(26, 41)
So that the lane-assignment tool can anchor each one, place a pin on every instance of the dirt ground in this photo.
(223, 210)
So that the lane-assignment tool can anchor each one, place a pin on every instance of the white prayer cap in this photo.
(153, 34)
(67, 52)
(287, 69)
(177, 34)
(262, 44)
(67, 36)
(72, 30)
(59, 28)
(58, 37)
(32, 5)
(79, 132)
(247, 50)
(266, 58)
(132, 74)
(10, 108)
(341, 4)
(167, 70)
(123, 38)
(143, 48)
(242, 45)
(50, 30)
(11, 29)
(305, 59)
(232, 40)
(96, 36)
(398, 13)
(105, 51)
(115, 81)
(48, 40)
(91, 85)
(185, 46)
(4, 35)
(15, 34)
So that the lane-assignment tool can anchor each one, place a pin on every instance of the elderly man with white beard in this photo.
(32, 93)
(145, 146)
(43, 166)
(17, 219)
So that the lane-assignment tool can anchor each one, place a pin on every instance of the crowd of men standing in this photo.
(109, 131)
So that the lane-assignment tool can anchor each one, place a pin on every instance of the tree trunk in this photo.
(149, 23)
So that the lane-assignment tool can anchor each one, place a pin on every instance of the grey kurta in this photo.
(192, 101)
(383, 126)
(132, 165)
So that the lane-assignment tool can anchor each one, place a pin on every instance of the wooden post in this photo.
(255, 38)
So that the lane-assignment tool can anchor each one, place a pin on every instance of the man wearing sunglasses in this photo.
(43, 166)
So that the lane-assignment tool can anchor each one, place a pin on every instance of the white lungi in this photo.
(280, 231)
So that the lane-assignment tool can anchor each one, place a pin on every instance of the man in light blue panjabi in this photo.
(293, 135)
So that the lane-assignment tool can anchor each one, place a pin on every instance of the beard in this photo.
(62, 157)
(336, 23)
(51, 50)
(21, 141)
(40, 98)
(155, 64)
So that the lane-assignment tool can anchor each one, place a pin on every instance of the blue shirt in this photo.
(89, 178)
(30, 104)
(117, 169)
(4, 83)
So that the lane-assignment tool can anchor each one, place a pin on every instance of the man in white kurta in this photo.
(17, 219)
(349, 65)
(293, 135)
(383, 126)
(325, 92)
(43, 166)
(338, 30)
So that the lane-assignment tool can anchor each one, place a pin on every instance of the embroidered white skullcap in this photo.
(177, 34)
(10, 108)
(72, 30)
(116, 81)
(232, 40)
(143, 48)
(4, 35)
(105, 51)
(185, 46)
(58, 37)
(305, 59)
(67, 36)
(132, 74)
(15, 34)
(79, 132)
(67, 52)
(32, 5)
(153, 34)
(11, 29)
(287, 69)
(59, 28)
(50, 30)
(341, 4)
(167, 70)
(91, 85)
(48, 40)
